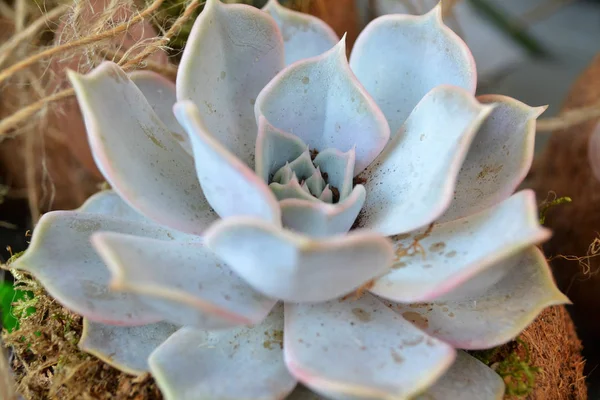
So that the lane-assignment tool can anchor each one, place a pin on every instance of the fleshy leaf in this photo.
(124, 347)
(304, 35)
(316, 183)
(274, 148)
(496, 316)
(412, 181)
(229, 185)
(291, 267)
(242, 363)
(400, 58)
(302, 167)
(137, 153)
(160, 94)
(185, 282)
(327, 195)
(108, 202)
(319, 219)
(467, 379)
(291, 190)
(339, 168)
(498, 159)
(360, 349)
(320, 101)
(61, 256)
(459, 258)
(232, 52)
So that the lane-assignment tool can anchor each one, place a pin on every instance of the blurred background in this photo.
(532, 50)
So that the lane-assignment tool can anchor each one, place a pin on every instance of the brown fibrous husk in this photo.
(563, 169)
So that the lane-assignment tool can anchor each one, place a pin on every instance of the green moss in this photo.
(513, 364)
(546, 205)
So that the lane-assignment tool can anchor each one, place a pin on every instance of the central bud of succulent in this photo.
(316, 176)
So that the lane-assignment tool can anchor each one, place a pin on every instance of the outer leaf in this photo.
(231, 54)
(230, 186)
(460, 258)
(359, 349)
(108, 202)
(161, 95)
(295, 268)
(498, 159)
(411, 183)
(321, 101)
(124, 347)
(304, 35)
(244, 363)
(400, 58)
(496, 316)
(136, 152)
(62, 258)
(185, 282)
(467, 379)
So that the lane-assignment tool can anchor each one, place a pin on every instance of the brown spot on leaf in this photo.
(402, 236)
(489, 169)
(178, 136)
(361, 314)
(416, 319)
(438, 246)
(396, 357)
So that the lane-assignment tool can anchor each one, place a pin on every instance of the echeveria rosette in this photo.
(228, 237)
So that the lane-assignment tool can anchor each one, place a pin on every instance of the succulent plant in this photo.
(282, 215)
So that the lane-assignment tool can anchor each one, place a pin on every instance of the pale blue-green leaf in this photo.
(61, 256)
(229, 185)
(291, 190)
(467, 379)
(232, 52)
(498, 159)
(400, 58)
(496, 316)
(108, 202)
(319, 219)
(274, 148)
(459, 258)
(292, 267)
(185, 282)
(360, 349)
(304, 35)
(412, 181)
(161, 95)
(242, 363)
(126, 348)
(137, 153)
(302, 167)
(339, 168)
(320, 101)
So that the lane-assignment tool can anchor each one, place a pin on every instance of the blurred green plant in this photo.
(510, 27)
(11, 313)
